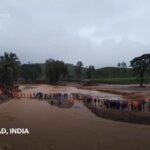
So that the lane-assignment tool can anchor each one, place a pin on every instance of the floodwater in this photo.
(73, 128)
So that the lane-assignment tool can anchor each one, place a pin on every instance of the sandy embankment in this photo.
(52, 128)
(132, 91)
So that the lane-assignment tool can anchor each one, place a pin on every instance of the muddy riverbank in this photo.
(121, 115)
(75, 128)
(132, 91)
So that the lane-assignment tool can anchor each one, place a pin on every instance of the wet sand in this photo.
(67, 89)
(126, 91)
(75, 128)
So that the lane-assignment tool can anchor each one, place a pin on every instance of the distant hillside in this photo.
(114, 72)
(106, 72)
(110, 75)
(102, 75)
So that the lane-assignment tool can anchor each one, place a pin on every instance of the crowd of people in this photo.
(5, 93)
(114, 104)
(55, 98)
(130, 105)
(41, 95)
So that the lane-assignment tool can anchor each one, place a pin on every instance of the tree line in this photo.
(11, 70)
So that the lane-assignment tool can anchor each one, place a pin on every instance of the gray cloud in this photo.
(99, 32)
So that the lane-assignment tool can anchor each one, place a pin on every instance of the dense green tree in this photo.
(122, 65)
(9, 69)
(31, 72)
(118, 65)
(90, 71)
(78, 69)
(141, 65)
(55, 70)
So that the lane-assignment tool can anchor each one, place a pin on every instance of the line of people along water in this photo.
(41, 95)
(96, 101)
(128, 105)
(59, 99)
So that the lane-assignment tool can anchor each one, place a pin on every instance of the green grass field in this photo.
(128, 80)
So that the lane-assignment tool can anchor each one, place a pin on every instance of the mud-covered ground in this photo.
(73, 128)
(132, 91)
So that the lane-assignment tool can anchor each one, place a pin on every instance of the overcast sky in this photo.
(98, 32)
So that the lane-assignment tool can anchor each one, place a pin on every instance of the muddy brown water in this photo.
(74, 128)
